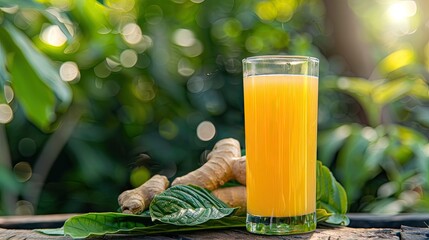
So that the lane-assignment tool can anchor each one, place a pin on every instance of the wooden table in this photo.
(363, 226)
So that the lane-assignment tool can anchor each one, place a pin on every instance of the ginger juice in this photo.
(281, 131)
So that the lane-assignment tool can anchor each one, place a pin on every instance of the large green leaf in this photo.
(331, 197)
(187, 205)
(34, 78)
(353, 170)
(41, 66)
(331, 141)
(96, 224)
(36, 99)
(102, 223)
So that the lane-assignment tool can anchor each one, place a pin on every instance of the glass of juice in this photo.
(280, 111)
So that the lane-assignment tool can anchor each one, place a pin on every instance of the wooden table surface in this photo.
(20, 228)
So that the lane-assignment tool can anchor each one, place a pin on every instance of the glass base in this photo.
(281, 225)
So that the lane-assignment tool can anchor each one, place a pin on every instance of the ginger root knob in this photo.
(233, 197)
(239, 170)
(217, 170)
(138, 199)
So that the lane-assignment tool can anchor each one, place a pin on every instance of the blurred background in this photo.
(96, 96)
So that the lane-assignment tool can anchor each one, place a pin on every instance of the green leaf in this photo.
(51, 231)
(392, 90)
(331, 196)
(4, 75)
(41, 66)
(34, 78)
(355, 170)
(8, 180)
(103, 223)
(36, 99)
(97, 224)
(331, 141)
(322, 215)
(187, 205)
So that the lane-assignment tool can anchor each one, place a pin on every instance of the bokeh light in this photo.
(102, 70)
(195, 84)
(206, 131)
(132, 33)
(401, 14)
(23, 171)
(27, 147)
(24, 208)
(8, 93)
(401, 10)
(254, 44)
(128, 58)
(143, 89)
(69, 71)
(168, 129)
(184, 67)
(154, 14)
(139, 176)
(53, 36)
(184, 37)
(113, 65)
(6, 113)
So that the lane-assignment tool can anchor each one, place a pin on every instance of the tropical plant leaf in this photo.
(355, 170)
(331, 141)
(36, 99)
(34, 79)
(187, 205)
(331, 196)
(97, 224)
(103, 223)
(40, 65)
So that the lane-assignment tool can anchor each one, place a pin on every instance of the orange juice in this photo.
(281, 131)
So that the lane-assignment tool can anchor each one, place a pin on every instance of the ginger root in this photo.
(234, 197)
(224, 164)
(138, 199)
(239, 170)
(218, 169)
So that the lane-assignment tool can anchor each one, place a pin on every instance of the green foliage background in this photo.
(74, 146)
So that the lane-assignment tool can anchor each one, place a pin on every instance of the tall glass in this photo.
(280, 109)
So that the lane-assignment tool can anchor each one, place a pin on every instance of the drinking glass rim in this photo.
(280, 57)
